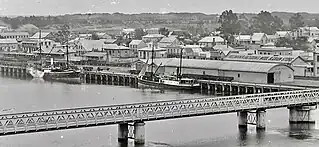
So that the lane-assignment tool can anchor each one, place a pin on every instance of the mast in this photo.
(152, 60)
(40, 48)
(180, 65)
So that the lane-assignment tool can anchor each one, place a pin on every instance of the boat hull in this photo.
(63, 76)
(162, 85)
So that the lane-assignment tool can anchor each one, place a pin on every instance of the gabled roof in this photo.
(223, 47)
(170, 39)
(282, 33)
(153, 36)
(114, 47)
(37, 35)
(136, 42)
(219, 65)
(257, 36)
(210, 39)
(243, 37)
(89, 45)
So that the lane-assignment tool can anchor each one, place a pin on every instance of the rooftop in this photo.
(217, 64)
(211, 39)
(153, 36)
(37, 35)
(261, 58)
(257, 36)
(94, 54)
(89, 45)
(135, 42)
(14, 33)
(168, 39)
(271, 48)
(6, 41)
(114, 47)
(243, 37)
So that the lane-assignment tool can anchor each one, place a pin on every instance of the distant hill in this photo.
(117, 21)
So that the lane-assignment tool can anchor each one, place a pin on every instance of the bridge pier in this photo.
(123, 132)
(261, 119)
(302, 114)
(139, 132)
(242, 119)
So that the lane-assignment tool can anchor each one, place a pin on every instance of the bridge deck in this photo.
(104, 115)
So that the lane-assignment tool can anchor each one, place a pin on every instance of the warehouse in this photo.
(252, 72)
(299, 65)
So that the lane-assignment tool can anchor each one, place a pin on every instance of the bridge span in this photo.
(131, 118)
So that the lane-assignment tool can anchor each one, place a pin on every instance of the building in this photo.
(4, 29)
(32, 45)
(115, 51)
(14, 35)
(103, 36)
(95, 56)
(146, 53)
(315, 44)
(44, 35)
(272, 38)
(137, 44)
(252, 72)
(8, 45)
(220, 51)
(243, 40)
(259, 39)
(56, 52)
(152, 31)
(298, 64)
(128, 33)
(85, 36)
(211, 41)
(306, 32)
(172, 45)
(152, 38)
(83, 46)
(194, 52)
(272, 50)
(283, 34)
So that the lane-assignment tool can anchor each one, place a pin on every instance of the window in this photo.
(238, 75)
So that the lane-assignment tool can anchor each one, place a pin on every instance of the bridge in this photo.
(131, 118)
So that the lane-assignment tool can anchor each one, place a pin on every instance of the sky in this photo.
(58, 7)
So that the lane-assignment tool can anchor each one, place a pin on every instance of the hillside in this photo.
(117, 21)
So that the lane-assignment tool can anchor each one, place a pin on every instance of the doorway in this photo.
(270, 78)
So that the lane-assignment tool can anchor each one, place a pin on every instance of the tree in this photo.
(266, 23)
(164, 31)
(296, 21)
(139, 33)
(229, 24)
(62, 36)
(95, 36)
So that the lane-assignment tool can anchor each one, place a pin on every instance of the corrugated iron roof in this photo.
(219, 65)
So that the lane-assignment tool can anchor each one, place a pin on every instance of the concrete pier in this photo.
(139, 132)
(302, 114)
(242, 119)
(261, 119)
(123, 132)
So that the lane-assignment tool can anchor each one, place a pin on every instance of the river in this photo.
(206, 131)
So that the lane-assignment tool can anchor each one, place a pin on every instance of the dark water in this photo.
(218, 130)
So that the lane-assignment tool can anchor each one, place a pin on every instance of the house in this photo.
(152, 38)
(259, 39)
(32, 45)
(103, 36)
(137, 44)
(180, 34)
(306, 32)
(272, 38)
(128, 33)
(44, 35)
(85, 36)
(251, 72)
(14, 35)
(272, 50)
(146, 53)
(8, 45)
(220, 51)
(298, 64)
(4, 29)
(194, 52)
(283, 34)
(57, 52)
(172, 45)
(152, 31)
(243, 40)
(115, 51)
(84, 46)
(211, 41)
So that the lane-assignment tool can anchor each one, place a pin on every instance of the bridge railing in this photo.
(55, 119)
